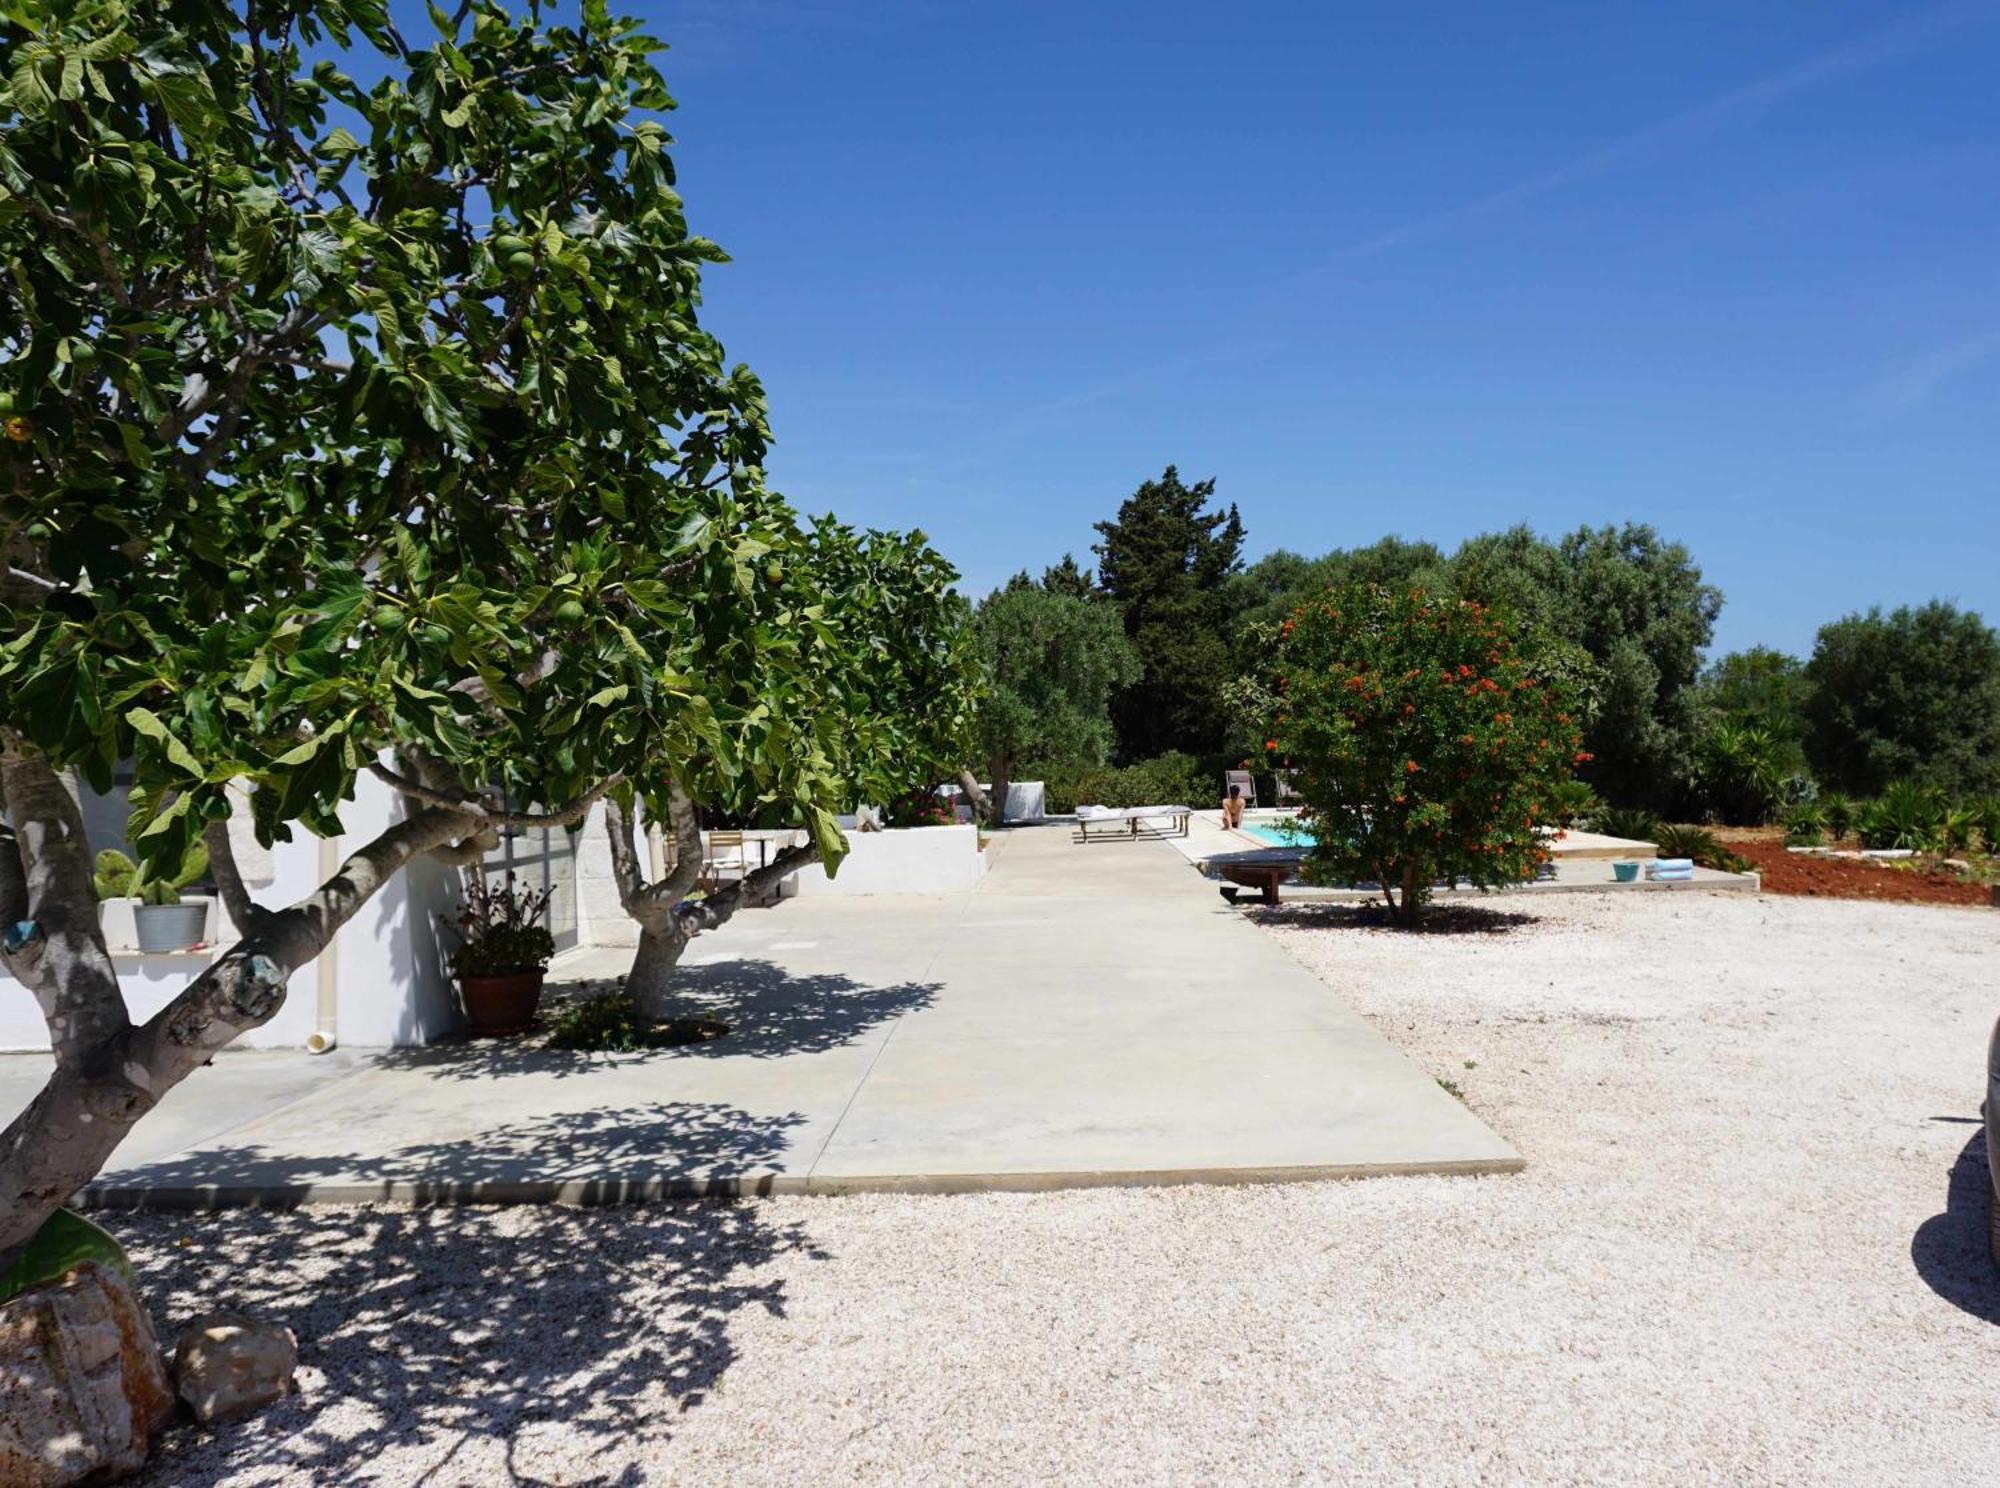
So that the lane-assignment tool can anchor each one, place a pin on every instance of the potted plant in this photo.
(161, 919)
(503, 952)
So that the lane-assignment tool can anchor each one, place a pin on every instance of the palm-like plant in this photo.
(1906, 815)
(1839, 812)
(1634, 823)
(1698, 844)
(1739, 772)
(1986, 815)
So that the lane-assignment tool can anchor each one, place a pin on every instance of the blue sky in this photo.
(1732, 269)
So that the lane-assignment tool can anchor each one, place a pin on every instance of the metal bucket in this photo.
(169, 927)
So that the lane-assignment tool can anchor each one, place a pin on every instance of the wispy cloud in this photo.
(1911, 384)
(1870, 51)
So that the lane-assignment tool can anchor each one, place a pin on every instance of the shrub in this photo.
(1957, 826)
(1574, 803)
(920, 808)
(1701, 845)
(1986, 814)
(1839, 813)
(1169, 779)
(1805, 824)
(1634, 823)
(1425, 745)
(1906, 815)
(1738, 773)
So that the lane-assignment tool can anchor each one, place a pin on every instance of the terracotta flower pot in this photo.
(501, 1004)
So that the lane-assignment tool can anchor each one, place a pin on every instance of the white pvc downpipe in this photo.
(326, 1021)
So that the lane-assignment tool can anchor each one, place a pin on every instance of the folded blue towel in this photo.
(1670, 865)
(1676, 876)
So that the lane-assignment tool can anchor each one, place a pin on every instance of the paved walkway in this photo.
(1088, 1015)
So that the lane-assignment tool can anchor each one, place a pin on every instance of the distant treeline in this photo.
(1913, 694)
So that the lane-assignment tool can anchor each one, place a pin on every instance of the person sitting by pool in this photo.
(1232, 807)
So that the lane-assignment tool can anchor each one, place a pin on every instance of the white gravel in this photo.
(1739, 1254)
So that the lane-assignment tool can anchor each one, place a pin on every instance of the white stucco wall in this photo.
(906, 860)
(600, 918)
(385, 963)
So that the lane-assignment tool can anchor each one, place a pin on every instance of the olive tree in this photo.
(1053, 663)
(348, 428)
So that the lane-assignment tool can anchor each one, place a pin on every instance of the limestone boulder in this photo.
(228, 1363)
(82, 1385)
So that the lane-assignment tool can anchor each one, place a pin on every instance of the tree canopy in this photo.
(1166, 560)
(1053, 663)
(371, 427)
(1911, 694)
(1427, 747)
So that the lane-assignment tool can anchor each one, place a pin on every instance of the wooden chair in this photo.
(724, 850)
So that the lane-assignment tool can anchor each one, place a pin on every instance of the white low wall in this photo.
(904, 860)
(385, 966)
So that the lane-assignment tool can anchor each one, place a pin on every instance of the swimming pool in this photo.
(1285, 831)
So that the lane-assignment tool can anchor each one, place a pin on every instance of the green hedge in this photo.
(1170, 779)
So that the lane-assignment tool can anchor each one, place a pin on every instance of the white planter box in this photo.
(905, 860)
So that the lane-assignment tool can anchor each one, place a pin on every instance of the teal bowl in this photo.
(1625, 872)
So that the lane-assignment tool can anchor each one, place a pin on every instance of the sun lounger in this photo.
(1128, 822)
(1245, 781)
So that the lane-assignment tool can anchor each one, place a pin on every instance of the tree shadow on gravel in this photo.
(1950, 1250)
(531, 1345)
(1447, 919)
(771, 1013)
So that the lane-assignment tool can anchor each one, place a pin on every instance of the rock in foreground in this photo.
(227, 1363)
(82, 1387)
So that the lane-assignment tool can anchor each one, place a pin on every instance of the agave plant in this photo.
(1906, 815)
(1839, 813)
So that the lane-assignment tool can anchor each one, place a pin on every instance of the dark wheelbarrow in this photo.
(1263, 877)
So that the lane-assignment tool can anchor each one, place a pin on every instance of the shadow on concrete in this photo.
(606, 1155)
(1439, 919)
(770, 1012)
(522, 1345)
(1950, 1250)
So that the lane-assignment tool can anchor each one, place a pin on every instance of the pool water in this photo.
(1286, 831)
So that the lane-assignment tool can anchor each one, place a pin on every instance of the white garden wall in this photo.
(904, 860)
(384, 967)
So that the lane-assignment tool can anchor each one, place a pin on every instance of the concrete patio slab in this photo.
(1082, 1016)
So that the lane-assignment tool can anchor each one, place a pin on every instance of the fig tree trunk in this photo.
(667, 918)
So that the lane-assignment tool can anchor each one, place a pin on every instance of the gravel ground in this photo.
(1749, 1248)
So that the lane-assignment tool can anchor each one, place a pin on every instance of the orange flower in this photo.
(1271, 746)
(1409, 767)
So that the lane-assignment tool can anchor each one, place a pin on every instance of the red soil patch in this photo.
(1785, 872)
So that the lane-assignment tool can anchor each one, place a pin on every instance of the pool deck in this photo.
(1086, 1015)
